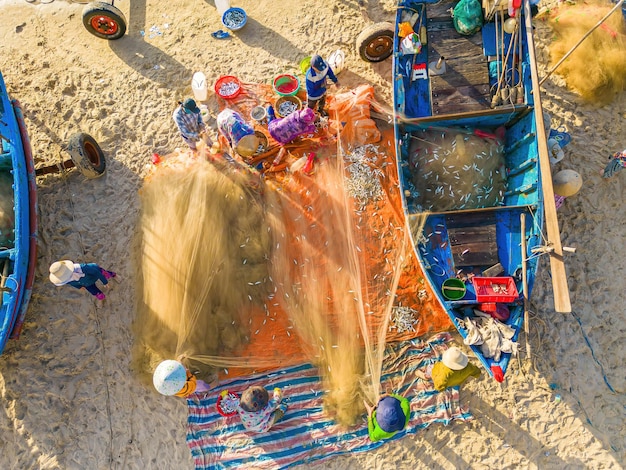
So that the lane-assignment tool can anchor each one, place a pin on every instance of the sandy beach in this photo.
(69, 400)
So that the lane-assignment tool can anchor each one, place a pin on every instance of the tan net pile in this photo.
(597, 68)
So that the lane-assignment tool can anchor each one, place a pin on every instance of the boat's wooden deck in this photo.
(464, 87)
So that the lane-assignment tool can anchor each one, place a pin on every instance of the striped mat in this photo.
(306, 434)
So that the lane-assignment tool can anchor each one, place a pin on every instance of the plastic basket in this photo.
(293, 99)
(286, 85)
(225, 81)
(453, 289)
(495, 289)
(305, 64)
(234, 18)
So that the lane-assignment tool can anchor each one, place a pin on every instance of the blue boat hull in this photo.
(18, 253)
(490, 231)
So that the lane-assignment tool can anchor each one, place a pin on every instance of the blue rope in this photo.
(593, 354)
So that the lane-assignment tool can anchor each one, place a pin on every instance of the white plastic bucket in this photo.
(204, 112)
(199, 86)
(222, 6)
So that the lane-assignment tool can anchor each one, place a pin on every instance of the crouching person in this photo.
(389, 416)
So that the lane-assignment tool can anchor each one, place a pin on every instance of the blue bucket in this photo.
(234, 18)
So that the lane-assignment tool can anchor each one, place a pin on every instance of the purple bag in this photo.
(297, 123)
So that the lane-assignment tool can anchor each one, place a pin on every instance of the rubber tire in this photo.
(95, 9)
(375, 43)
(87, 155)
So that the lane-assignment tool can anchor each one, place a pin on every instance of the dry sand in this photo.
(68, 400)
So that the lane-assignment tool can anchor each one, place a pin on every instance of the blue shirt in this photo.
(316, 82)
(92, 273)
(189, 124)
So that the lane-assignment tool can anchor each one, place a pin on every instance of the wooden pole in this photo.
(560, 289)
(522, 221)
(617, 5)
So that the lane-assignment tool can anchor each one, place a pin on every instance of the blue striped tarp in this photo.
(306, 434)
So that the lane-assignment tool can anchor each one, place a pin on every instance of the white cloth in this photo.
(493, 336)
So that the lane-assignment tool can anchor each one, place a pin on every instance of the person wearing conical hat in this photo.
(453, 369)
(81, 275)
(172, 378)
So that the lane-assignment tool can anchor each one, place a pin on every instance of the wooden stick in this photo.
(617, 5)
(560, 289)
(522, 221)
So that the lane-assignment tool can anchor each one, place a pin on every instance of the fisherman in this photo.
(285, 130)
(190, 124)
(389, 416)
(617, 161)
(316, 77)
(453, 369)
(172, 378)
(238, 133)
(81, 275)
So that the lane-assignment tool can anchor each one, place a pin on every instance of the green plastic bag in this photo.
(467, 17)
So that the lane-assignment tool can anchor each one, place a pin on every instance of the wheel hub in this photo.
(104, 25)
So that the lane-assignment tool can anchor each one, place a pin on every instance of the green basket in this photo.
(453, 289)
(286, 85)
(305, 64)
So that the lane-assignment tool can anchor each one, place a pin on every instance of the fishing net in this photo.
(244, 271)
(596, 69)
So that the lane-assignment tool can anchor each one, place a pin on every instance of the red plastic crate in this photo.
(487, 292)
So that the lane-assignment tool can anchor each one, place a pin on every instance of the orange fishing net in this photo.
(245, 271)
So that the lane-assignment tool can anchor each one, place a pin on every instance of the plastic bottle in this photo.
(222, 6)
(199, 86)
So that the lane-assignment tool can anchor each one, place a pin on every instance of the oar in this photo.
(560, 289)
(617, 5)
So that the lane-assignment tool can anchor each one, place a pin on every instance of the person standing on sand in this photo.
(81, 275)
(190, 124)
(316, 77)
(617, 161)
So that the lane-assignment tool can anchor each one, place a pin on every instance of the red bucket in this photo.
(286, 85)
(228, 87)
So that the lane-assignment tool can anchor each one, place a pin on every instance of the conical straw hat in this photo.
(567, 183)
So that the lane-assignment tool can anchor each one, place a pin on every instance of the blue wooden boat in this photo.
(473, 166)
(18, 217)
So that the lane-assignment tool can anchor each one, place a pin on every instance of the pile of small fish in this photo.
(228, 88)
(233, 19)
(403, 319)
(287, 107)
(363, 184)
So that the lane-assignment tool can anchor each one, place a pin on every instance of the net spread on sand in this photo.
(243, 272)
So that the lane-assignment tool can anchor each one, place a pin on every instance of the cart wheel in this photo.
(86, 155)
(104, 20)
(375, 43)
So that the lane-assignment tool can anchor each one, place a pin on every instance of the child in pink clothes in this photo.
(257, 412)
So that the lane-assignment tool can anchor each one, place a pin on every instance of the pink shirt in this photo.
(259, 421)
